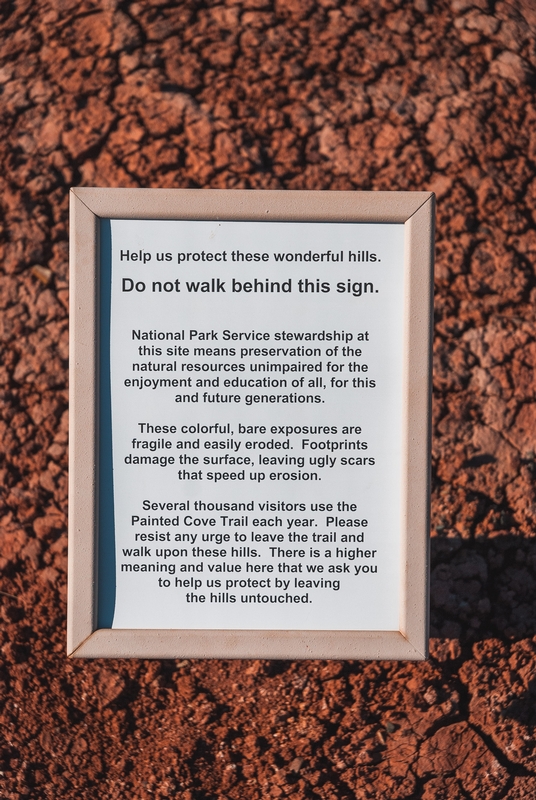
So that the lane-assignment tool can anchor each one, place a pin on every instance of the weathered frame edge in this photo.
(418, 367)
(82, 423)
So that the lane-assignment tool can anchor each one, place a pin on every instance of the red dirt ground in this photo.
(379, 94)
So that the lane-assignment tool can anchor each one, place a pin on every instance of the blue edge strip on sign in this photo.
(106, 520)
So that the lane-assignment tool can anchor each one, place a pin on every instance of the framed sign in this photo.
(250, 392)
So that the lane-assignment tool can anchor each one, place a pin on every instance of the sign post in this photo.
(250, 388)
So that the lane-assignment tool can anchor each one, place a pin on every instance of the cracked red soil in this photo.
(295, 94)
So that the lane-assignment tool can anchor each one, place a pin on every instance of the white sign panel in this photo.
(254, 430)
(256, 399)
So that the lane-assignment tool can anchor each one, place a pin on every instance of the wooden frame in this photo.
(88, 205)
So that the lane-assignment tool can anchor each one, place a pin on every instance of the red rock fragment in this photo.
(510, 66)
(523, 432)
(109, 687)
(458, 749)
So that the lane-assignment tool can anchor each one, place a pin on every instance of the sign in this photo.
(250, 405)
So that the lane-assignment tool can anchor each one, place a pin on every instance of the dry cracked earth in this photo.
(291, 94)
